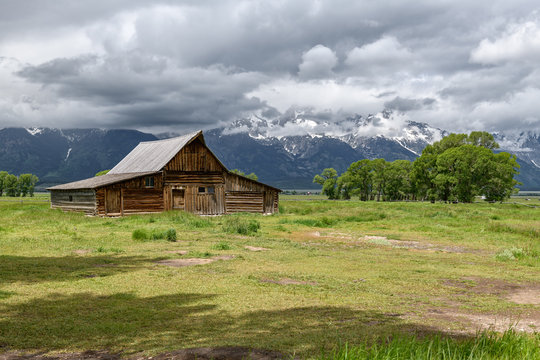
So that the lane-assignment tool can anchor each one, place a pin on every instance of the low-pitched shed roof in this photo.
(152, 155)
(98, 181)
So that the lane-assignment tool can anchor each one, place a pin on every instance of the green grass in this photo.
(69, 282)
(486, 346)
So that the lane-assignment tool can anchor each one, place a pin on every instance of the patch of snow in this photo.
(34, 131)
(403, 145)
(68, 153)
(535, 164)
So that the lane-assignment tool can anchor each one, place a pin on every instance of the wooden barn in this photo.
(179, 173)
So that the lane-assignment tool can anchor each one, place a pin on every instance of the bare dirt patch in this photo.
(519, 319)
(255, 248)
(178, 252)
(193, 261)
(288, 281)
(215, 353)
(379, 240)
(517, 293)
(221, 353)
(526, 296)
(416, 245)
(82, 251)
(471, 323)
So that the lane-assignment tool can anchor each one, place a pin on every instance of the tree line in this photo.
(457, 168)
(22, 185)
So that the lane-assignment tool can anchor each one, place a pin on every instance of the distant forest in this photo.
(22, 185)
(457, 168)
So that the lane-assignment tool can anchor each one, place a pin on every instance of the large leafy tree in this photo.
(328, 180)
(3, 175)
(27, 183)
(11, 185)
(380, 174)
(398, 181)
(359, 179)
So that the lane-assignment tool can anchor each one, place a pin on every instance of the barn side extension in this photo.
(179, 173)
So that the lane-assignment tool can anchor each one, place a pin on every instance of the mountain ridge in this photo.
(284, 151)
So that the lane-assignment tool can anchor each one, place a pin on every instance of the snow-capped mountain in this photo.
(303, 143)
(284, 150)
(62, 155)
(295, 128)
(526, 145)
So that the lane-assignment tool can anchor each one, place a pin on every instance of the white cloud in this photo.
(520, 42)
(317, 62)
(383, 53)
(321, 95)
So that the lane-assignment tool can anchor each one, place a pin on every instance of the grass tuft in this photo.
(222, 245)
(241, 225)
(513, 253)
(143, 234)
(486, 346)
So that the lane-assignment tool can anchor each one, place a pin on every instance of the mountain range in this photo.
(285, 151)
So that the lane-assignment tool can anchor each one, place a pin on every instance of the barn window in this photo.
(210, 190)
(202, 189)
(70, 197)
(149, 181)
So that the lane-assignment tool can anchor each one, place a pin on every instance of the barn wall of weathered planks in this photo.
(74, 200)
(130, 197)
(194, 157)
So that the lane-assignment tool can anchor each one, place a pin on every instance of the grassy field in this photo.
(317, 276)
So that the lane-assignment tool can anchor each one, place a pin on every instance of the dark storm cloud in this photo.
(404, 105)
(135, 63)
(136, 91)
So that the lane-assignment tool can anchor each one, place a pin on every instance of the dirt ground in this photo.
(217, 353)
(193, 261)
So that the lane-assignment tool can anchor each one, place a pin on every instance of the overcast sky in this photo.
(175, 66)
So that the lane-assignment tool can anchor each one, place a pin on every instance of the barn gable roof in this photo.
(98, 181)
(153, 155)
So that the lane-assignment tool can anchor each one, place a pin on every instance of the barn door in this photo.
(268, 202)
(113, 201)
(178, 199)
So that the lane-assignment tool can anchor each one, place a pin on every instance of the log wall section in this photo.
(135, 197)
(74, 200)
(195, 157)
(246, 195)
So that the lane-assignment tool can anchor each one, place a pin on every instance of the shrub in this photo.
(240, 225)
(222, 245)
(170, 234)
(510, 254)
(140, 234)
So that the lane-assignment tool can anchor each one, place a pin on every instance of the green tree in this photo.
(27, 183)
(398, 182)
(444, 173)
(102, 172)
(482, 138)
(11, 185)
(328, 180)
(251, 176)
(359, 179)
(3, 175)
(380, 177)
(499, 182)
